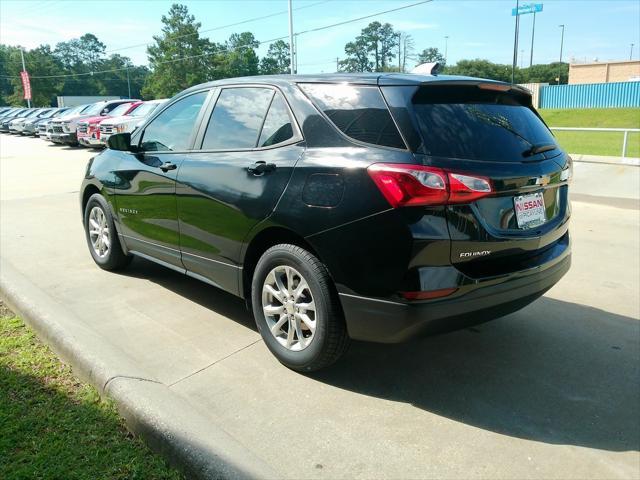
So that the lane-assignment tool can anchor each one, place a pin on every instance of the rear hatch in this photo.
(491, 132)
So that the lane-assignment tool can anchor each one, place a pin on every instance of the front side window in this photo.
(237, 118)
(359, 112)
(172, 129)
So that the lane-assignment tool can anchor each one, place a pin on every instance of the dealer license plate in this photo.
(530, 211)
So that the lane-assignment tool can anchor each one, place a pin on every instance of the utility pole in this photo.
(561, 41)
(446, 48)
(24, 69)
(128, 82)
(291, 59)
(515, 44)
(533, 34)
(631, 52)
(337, 64)
(399, 61)
(521, 57)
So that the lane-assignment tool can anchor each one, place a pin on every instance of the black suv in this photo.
(373, 206)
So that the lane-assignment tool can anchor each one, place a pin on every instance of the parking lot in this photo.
(551, 391)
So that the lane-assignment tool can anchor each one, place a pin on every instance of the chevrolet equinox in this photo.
(374, 207)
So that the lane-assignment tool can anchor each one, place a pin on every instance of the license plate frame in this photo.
(530, 210)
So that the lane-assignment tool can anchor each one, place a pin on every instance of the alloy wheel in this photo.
(289, 308)
(99, 233)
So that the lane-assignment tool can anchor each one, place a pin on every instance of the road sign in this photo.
(526, 8)
(26, 85)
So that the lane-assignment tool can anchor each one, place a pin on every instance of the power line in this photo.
(189, 57)
(221, 27)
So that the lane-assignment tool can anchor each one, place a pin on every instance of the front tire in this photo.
(297, 310)
(101, 235)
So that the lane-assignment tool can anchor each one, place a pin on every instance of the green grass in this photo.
(595, 143)
(52, 426)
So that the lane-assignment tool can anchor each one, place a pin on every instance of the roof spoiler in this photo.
(430, 68)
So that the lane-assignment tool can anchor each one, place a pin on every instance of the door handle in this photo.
(166, 166)
(260, 168)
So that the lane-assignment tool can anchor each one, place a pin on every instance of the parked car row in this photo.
(87, 125)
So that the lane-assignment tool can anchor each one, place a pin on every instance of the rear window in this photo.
(469, 123)
(359, 112)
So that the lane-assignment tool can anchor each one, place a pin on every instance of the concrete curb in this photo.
(166, 420)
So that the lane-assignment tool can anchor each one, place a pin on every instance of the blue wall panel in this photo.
(591, 95)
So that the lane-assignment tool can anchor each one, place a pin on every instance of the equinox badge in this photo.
(481, 253)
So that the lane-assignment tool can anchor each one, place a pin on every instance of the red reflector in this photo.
(406, 185)
(428, 294)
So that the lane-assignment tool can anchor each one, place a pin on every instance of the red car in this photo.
(89, 129)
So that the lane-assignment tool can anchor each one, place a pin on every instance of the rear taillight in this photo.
(406, 185)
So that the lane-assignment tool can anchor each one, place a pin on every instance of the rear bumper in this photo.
(392, 321)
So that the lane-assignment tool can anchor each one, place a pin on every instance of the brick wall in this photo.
(603, 72)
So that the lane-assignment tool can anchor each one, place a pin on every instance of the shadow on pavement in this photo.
(555, 372)
(205, 295)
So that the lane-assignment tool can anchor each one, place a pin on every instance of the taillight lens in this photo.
(406, 185)
(567, 172)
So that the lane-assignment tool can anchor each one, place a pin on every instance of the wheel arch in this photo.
(259, 244)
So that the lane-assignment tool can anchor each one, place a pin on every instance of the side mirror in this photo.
(120, 141)
(104, 112)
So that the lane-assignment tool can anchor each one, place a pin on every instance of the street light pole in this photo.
(561, 41)
(631, 52)
(292, 68)
(128, 82)
(446, 48)
(399, 51)
(24, 69)
(515, 44)
(533, 34)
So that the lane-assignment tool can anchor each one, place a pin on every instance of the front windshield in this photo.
(33, 113)
(75, 110)
(46, 113)
(60, 113)
(94, 109)
(144, 110)
(120, 110)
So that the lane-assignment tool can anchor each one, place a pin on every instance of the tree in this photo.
(180, 58)
(482, 69)
(84, 53)
(277, 59)
(546, 73)
(407, 49)
(372, 50)
(242, 59)
(357, 57)
(430, 55)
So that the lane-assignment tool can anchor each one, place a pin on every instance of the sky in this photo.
(602, 30)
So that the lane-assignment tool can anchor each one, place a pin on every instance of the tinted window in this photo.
(237, 118)
(470, 123)
(359, 112)
(277, 125)
(171, 130)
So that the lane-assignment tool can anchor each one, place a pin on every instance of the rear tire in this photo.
(297, 310)
(102, 237)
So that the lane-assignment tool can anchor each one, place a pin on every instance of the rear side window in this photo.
(172, 129)
(469, 123)
(277, 126)
(359, 112)
(237, 118)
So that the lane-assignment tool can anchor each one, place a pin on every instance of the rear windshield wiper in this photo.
(539, 148)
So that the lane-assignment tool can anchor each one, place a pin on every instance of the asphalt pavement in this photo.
(552, 391)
